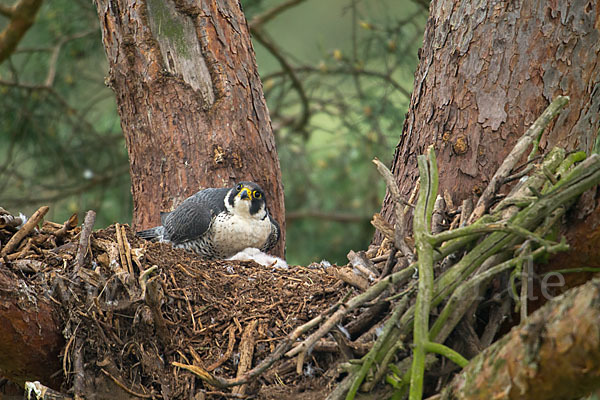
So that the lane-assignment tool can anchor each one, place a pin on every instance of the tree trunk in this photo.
(486, 71)
(191, 102)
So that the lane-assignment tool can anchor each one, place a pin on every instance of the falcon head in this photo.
(247, 199)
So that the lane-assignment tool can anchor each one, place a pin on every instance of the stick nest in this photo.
(212, 314)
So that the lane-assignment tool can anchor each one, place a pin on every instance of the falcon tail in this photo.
(155, 234)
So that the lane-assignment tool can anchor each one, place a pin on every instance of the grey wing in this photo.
(273, 237)
(193, 217)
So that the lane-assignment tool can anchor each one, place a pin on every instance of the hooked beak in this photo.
(245, 194)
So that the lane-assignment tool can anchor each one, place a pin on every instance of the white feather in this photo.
(254, 254)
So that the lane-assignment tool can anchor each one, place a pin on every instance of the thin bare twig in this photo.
(277, 53)
(84, 239)
(390, 182)
(125, 388)
(24, 231)
(259, 20)
(329, 216)
(344, 71)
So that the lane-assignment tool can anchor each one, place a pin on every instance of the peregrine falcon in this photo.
(218, 223)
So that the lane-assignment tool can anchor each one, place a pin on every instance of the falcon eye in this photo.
(256, 194)
(239, 187)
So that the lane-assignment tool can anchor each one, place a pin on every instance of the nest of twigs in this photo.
(130, 309)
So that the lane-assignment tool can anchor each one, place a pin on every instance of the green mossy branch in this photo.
(424, 244)
(447, 352)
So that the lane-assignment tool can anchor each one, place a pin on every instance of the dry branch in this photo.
(84, 239)
(24, 231)
(246, 353)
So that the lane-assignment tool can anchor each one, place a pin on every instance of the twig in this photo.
(53, 62)
(67, 226)
(524, 267)
(124, 248)
(352, 304)
(154, 298)
(343, 70)
(370, 357)
(494, 322)
(513, 157)
(486, 228)
(22, 15)
(6, 11)
(519, 174)
(228, 352)
(121, 247)
(125, 388)
(261, 19)
(362, 263)
(79, 374)
(24, 231)
(447, 352)
(465, 290)
(342, 344)
(246, 350)
(283, 347)
(227, 395)
(389, 264)
(351, 278)
(66, 357)
(467, 209)
(276, 52)
(330, 346)
(378, 259)
(383, 226)
(523, 190)
(21, 253)
(398, 237)
(84, 239)
(437, 219)
(422, 220)
(9, 220)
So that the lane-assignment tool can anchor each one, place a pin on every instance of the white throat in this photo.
(241, 208)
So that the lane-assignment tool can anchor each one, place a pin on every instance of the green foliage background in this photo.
(61, 143)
